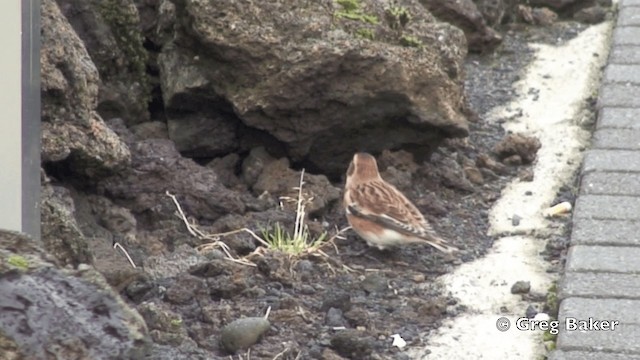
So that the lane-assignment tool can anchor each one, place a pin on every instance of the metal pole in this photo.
(31, 118)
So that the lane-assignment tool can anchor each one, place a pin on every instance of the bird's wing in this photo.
(381, 203)
(382, 220)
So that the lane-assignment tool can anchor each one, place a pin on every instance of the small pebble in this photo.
(521, 287)
(353, 344)
(334, 318)
(336, 299)
(526, 175)
(474, 175)
(307, 289)
(374, 283)
(513, 160)
(242, 333)
(214, 254)
(531, 312)
(515, 220)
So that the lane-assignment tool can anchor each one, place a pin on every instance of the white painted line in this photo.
(565, 77)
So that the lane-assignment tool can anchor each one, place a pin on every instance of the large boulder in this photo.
(323, 78)
(73, 133)
(53, 313)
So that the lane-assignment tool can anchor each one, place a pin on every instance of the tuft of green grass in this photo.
(397, 17)
(349, 5)
(365, 33)
(551, 307)
(277, 238)
(300, 241)
(548, 336)
(410, 41)
(371, 19)
(18, 261)
(552, 304)
(550, 345)
(351, 10)
(274, 238)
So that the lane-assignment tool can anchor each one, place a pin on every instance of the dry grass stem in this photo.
(116, 245)
(216, 243)
(298, 243)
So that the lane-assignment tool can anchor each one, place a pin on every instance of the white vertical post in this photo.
(11, 116)
(20, 116)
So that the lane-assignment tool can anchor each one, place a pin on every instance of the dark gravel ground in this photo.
(378, 293)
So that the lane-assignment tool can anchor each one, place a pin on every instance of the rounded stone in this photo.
(242, 333)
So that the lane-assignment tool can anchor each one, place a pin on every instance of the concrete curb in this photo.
(602, 274)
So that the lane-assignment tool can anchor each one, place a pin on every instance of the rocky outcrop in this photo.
(61, 234)
(110, 30)
(323, 79)
(73, 133)
(76, 143)
(157, 167)
(57, 313)
(257, 91)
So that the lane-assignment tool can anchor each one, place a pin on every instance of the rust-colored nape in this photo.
(366, 167)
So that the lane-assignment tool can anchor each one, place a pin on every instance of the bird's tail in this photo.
(441, 245)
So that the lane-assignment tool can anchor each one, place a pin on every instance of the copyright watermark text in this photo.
(553, 326)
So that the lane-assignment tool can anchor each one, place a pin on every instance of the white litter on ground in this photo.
(565, 76)
(398, 341)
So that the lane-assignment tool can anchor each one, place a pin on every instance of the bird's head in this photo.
(363, 168)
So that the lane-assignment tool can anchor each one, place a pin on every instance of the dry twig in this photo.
(116, 245)
(300, 232)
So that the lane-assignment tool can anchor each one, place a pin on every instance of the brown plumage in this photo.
(380, 213)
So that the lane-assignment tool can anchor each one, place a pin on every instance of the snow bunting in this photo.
(380, 213)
